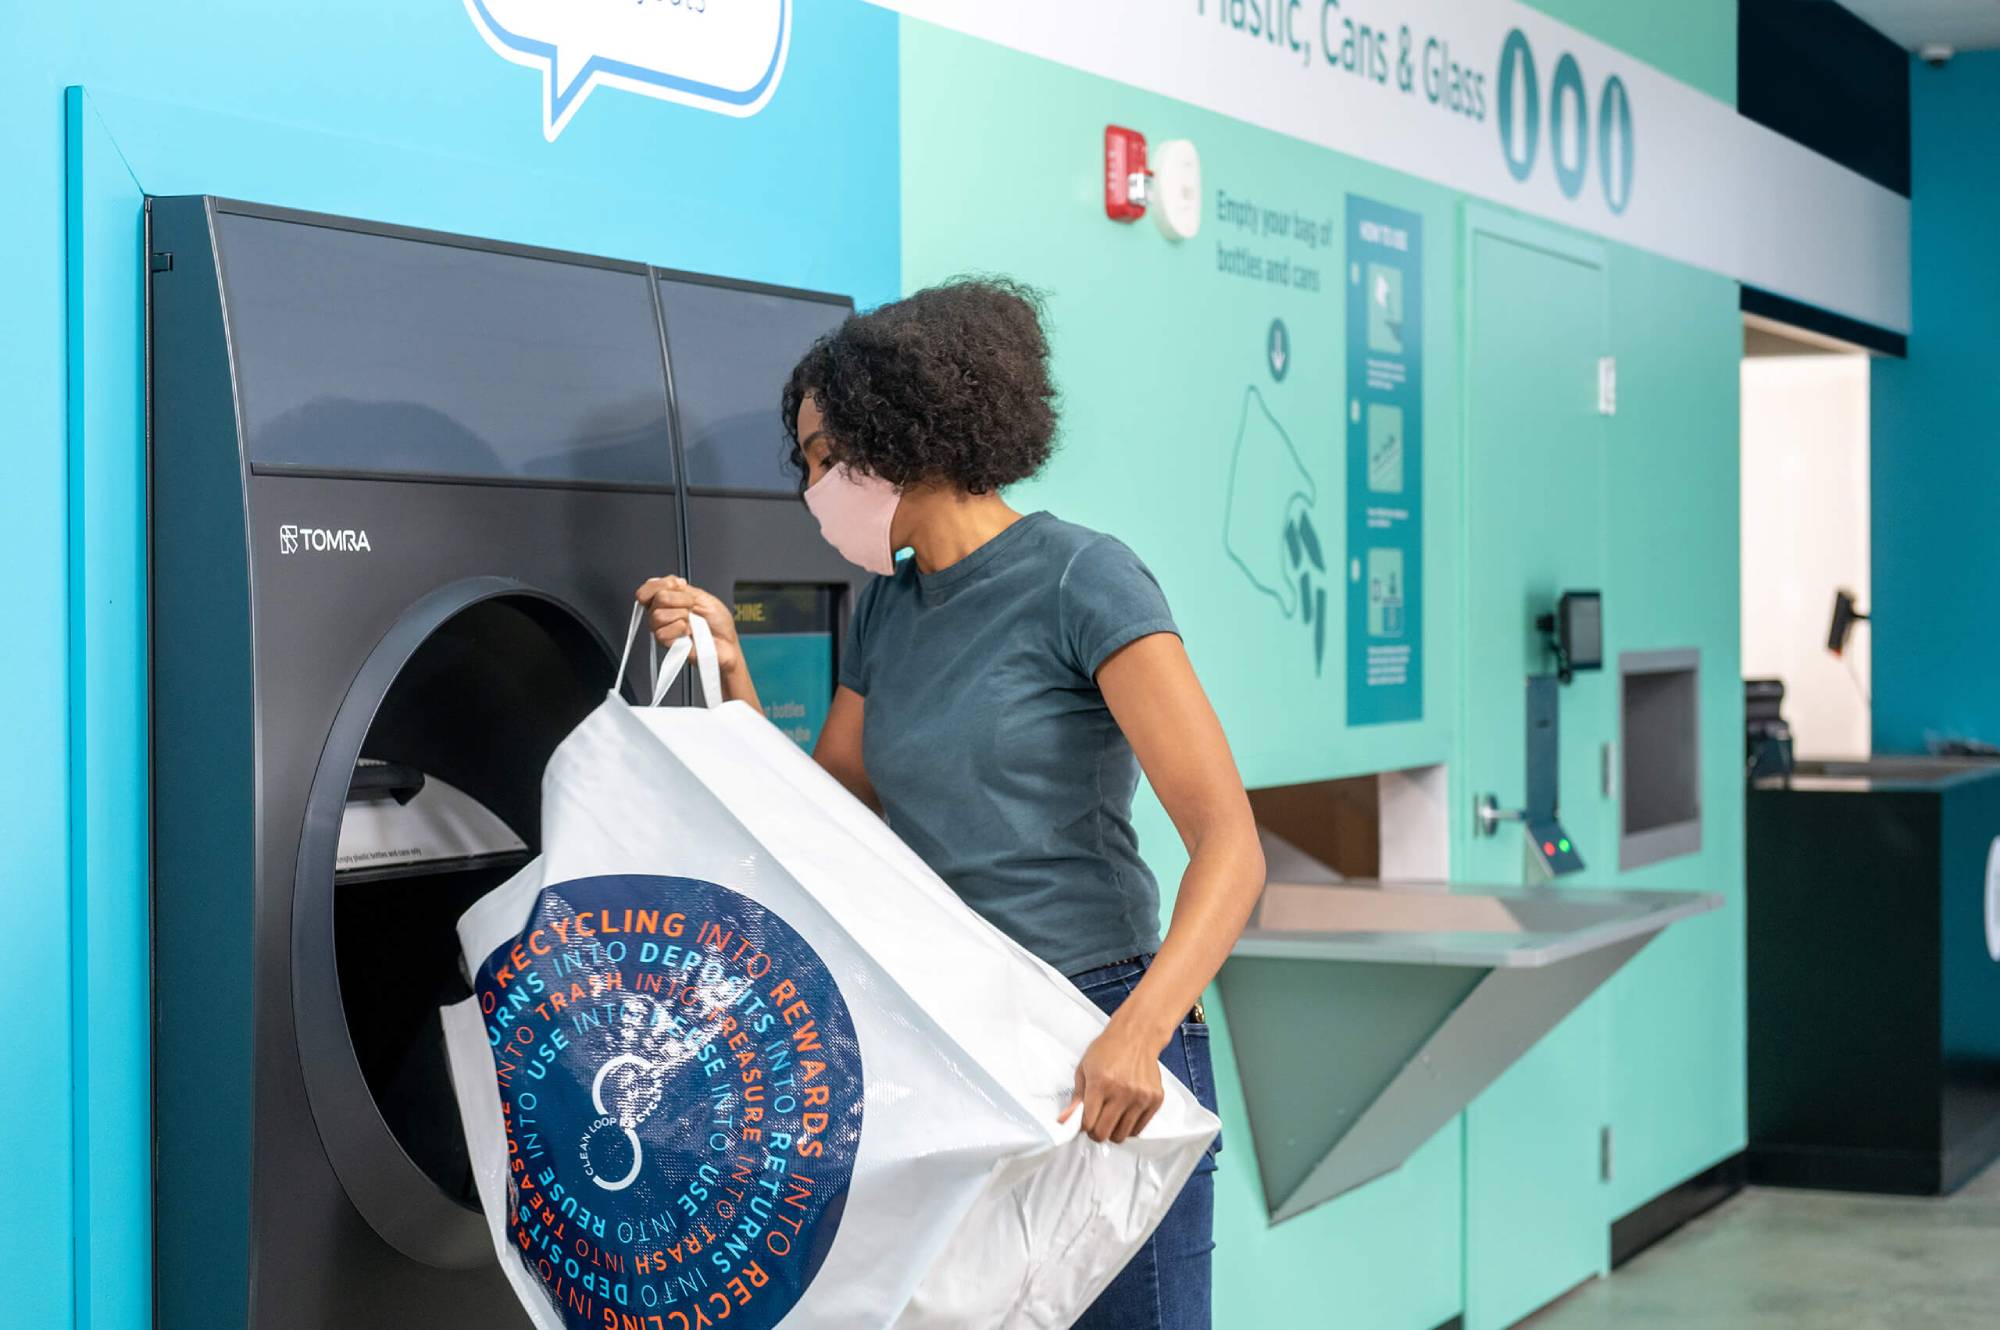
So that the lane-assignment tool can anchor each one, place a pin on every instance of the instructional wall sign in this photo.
(1385, 410)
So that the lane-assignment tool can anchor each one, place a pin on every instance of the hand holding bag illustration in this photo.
(734, 1049)
(1268, 527)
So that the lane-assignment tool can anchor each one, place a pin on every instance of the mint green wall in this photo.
(1693, 40)
(1676, 1039)
(1155, 349)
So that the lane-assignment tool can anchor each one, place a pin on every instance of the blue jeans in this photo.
(1165, 1286)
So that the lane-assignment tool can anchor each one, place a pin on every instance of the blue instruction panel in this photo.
(1385, 471)
(787, 632)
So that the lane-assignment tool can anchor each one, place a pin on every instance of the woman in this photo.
(1000, 692)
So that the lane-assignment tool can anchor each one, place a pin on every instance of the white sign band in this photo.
(1497, 100)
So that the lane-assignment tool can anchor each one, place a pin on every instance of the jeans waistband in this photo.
(1109, 968)
(1130, 966)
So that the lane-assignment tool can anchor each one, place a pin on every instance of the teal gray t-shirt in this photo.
(993, 752)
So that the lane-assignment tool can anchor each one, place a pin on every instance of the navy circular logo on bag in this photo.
(681, 1091)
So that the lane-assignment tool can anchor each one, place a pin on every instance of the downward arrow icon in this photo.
(1277, 349)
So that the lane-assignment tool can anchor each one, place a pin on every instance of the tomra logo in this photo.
(320, 540)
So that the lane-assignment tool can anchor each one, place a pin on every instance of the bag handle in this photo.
(631, 636)
(700, 642)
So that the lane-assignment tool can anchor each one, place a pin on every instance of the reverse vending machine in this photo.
(402, 486)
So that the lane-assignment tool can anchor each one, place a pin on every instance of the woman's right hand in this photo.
(671, 600)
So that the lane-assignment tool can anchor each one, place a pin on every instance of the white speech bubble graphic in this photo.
(720, 55)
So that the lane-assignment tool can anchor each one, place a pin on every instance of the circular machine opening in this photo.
(440, 802)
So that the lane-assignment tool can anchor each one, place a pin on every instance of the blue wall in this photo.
(306, 106)
(1935, 446)
(36, 1217)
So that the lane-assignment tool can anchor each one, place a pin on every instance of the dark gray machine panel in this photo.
(458, 464)
(751, 539)
(734, 344)
(441, 360)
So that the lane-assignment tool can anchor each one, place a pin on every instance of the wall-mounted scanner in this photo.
(402, 488)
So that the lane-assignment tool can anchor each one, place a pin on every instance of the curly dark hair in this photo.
(946, 386)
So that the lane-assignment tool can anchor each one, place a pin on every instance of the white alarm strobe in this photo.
(1176, 192)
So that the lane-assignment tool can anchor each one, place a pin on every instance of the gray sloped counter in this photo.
(1415, 997)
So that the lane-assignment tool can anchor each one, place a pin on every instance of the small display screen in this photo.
(788, 632)
(1583, 630)
(733, 348)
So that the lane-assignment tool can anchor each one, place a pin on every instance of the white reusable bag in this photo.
(735, 1054)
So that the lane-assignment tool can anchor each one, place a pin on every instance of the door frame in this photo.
(1485, 220)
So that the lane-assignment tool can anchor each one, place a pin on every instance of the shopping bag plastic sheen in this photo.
(735, 1057)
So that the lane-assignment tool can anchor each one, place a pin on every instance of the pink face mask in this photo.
(855, 512)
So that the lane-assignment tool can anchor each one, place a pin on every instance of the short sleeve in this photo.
(853, 671)
(1108, 599)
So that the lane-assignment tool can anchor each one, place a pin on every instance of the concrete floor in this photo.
(1798, 1259)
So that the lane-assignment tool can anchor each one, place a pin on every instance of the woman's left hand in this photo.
(1118, 1083)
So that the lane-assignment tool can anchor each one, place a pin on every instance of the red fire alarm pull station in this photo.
(1124, 174)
